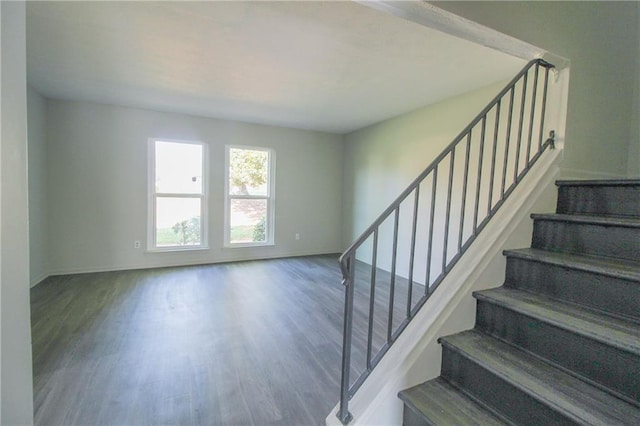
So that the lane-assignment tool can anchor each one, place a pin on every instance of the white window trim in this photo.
(270, 199)
(204, 197)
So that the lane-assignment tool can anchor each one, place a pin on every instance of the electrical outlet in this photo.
(136, 244)
(297, 235)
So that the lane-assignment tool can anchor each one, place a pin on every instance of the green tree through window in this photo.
(249, 197)
(248, 170)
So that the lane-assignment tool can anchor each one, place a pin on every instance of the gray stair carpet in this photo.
(559, 342)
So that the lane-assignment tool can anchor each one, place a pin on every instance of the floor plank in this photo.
(247, 343)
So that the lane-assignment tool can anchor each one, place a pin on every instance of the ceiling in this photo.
(330, 66)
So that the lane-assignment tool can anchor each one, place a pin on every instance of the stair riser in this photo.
(599, 240)
(611, 367)
(411, 418)
(610, 294)
(623, 201)
(496, 392)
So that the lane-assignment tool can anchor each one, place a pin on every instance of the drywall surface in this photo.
(1, 145)
(634, 146)
(381, 160)
(38, 219)
(601, 40)
(15, 325)
(97, 162)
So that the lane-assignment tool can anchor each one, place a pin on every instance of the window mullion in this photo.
(248, 197)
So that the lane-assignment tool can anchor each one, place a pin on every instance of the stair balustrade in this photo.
(399, 261)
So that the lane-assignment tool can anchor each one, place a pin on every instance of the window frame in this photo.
(270, 197)
(203, 196)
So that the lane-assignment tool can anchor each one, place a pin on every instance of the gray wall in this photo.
(97, 186)
(601, 40)
(16, 388)
(382, 159)
(38, 205)
(634, 148)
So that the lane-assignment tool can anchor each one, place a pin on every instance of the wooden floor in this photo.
(248, 343)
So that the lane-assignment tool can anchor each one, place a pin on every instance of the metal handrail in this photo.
(349, 258)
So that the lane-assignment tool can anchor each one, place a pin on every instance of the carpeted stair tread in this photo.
(604, 182)
(573, 398)
(618, 268)
(559, 342)
(437, 402)
(624, 335)
(589, 220)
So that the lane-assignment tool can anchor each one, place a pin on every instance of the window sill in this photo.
(176, 249)
(248, 245)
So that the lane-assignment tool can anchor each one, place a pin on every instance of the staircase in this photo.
(559, 343)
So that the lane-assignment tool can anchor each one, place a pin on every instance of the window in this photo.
(178, 195)
(249, 201)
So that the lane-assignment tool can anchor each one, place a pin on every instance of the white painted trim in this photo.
(151, 197)
(233, 246)
(178, 249)
(431, 16)
(37, 280)
(221, 259)
(557, 104)
(392, 373)
(438, 19)
(570, 174)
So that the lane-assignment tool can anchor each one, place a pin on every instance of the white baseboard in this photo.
(172, 264)
(580, 174)
(34, 281)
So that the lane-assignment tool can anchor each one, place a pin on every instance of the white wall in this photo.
(16, 387)
(97, 174)
(38, 205)
(601, 40)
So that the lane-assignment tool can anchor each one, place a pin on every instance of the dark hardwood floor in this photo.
(247, 343)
